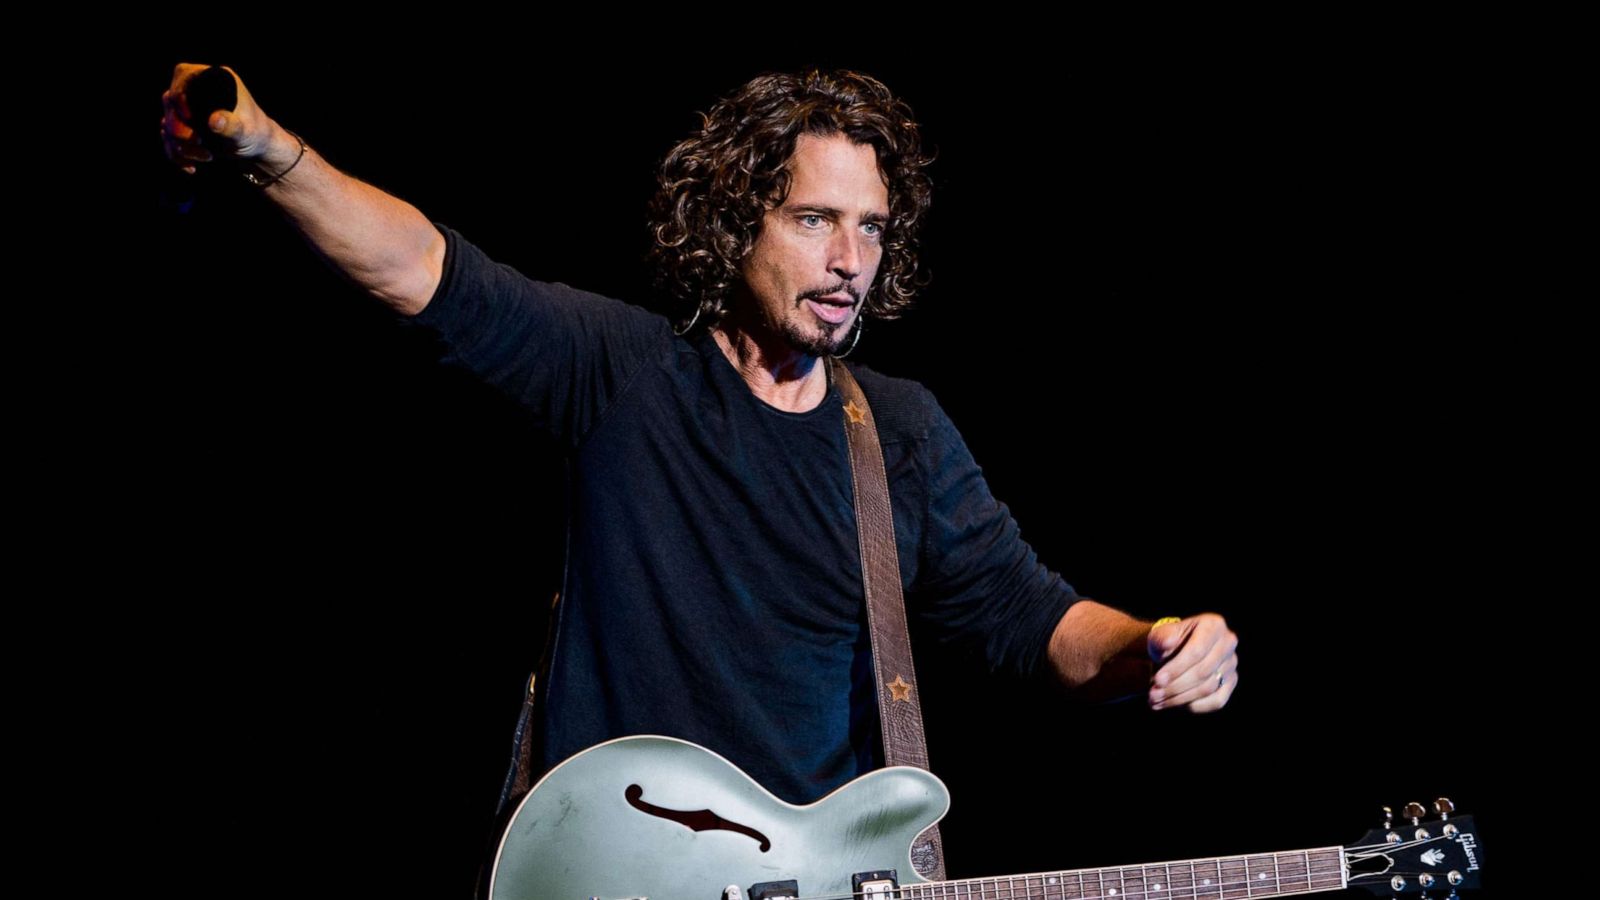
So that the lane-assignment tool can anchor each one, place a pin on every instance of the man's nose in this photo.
(846, 255)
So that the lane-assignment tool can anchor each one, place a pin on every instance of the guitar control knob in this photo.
(1444, 808)
(1415, 811)
(1426, 879)
(1455, 877)
(1398, 883)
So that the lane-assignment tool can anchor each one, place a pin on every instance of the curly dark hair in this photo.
(715, 185)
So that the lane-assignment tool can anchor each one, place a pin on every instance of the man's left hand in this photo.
(1201, 663)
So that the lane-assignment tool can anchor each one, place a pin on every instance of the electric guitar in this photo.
(665, 819)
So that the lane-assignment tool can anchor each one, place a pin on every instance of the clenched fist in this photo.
(194, 136)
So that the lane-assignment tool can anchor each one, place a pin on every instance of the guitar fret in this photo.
(1232, 879)
(1152, 886)
(1330, 872)
(1288, 872)
(1171, 884)
(1259, 877)
(1138, 883)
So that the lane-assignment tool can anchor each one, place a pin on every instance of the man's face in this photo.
(816, 255)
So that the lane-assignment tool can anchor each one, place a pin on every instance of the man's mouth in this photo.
(833, 309)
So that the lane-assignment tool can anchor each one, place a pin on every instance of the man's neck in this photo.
(778, 374)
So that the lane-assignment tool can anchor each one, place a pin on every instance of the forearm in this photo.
(1100, 653)
(379, 242)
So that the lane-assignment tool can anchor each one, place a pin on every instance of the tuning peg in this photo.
(1444, 808)
(1415, 811)
(1388, 827)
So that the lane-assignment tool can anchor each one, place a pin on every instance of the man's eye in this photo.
(875, 225)
(810, 216)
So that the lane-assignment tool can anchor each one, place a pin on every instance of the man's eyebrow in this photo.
(878, 218)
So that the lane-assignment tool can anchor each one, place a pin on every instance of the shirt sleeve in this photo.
(562, 353)
(979, 585)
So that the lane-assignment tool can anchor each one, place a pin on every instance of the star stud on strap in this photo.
(900, 689)
(858, 416)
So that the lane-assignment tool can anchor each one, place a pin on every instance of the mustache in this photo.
(845, 289)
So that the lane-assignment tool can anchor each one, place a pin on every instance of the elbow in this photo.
(411, 292)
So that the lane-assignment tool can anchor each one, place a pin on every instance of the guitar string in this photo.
(997, 891)
(990, 892)
(985, 893)
(1365, 852)
(1356, 853)
(993, 891)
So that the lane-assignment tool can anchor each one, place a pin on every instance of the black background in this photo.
(1201, 317)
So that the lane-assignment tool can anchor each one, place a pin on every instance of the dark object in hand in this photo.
(205, 93)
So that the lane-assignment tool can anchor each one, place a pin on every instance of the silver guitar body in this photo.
(667, 819)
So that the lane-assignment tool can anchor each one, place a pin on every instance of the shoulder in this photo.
(470, 273)
(904, 409)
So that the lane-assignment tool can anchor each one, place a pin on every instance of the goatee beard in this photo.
(815, 343)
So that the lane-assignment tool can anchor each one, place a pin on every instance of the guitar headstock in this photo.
(1417, 855)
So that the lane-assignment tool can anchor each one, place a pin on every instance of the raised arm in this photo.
(379, 242)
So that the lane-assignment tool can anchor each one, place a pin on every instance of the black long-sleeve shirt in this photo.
(713, 584)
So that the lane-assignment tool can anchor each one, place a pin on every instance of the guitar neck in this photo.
(1217, 878)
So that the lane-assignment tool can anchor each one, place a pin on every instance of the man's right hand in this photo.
(379, 242)
(243, 133)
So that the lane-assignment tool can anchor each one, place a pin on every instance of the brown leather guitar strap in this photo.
(899, 703)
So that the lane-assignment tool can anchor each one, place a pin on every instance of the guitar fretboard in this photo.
(1221, 878)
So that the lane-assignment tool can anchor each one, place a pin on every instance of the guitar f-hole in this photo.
(697, 820)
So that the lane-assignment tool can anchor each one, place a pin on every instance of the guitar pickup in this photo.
(775, 890)
(884, 883)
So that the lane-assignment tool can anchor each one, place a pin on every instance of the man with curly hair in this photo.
(713, 586)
